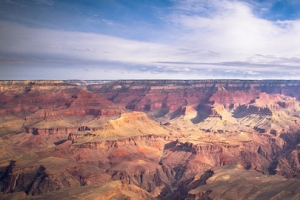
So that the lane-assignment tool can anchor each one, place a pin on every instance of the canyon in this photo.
(150, 139)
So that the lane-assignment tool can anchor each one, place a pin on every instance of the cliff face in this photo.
(162, 139)
(51, 107)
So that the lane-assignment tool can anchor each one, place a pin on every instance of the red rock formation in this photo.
(52, 106)
(56, 135)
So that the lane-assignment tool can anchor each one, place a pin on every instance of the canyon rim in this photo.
(150, 139)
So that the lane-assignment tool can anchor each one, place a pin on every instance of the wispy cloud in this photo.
(209, 36)
(47, 2)
(108, 22)
(235, 30)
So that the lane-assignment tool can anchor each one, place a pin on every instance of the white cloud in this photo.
(250, 72)
(230, 71)
(218, 35)
(236, 33)
(16, 39)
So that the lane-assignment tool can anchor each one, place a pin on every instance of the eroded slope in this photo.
(161, 139)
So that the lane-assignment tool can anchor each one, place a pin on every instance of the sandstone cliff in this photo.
(156, 139)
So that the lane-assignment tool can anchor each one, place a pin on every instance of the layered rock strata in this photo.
(153, 139)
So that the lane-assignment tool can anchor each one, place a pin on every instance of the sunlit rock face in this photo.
(149, 139)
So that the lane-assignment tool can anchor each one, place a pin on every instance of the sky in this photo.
(149, 39)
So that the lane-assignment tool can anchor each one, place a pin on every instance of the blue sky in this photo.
(149, 39)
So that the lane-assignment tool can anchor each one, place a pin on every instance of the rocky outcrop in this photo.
(157, 139)
(34, 180)
(109, 190)
(52, 107)
(157, 95)
(45, 131)
(39, 179)
(225, 183)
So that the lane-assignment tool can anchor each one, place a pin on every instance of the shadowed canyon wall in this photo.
(150, 139)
